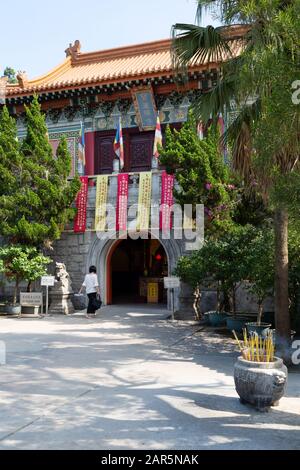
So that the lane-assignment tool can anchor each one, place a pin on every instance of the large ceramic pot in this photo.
(237, 323)
(13, 309)
(217, 318)
(261, 330)
(2, 308)
(205, 319)
(261, 384)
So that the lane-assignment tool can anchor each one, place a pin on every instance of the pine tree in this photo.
(200, 171)
(10, 166)
(34, 210)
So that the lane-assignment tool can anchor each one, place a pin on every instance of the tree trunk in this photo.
(218, 297)
(282, 314)
(233, 300)
(196, 305)
(260, 313)
(225, 305)
(16, 292)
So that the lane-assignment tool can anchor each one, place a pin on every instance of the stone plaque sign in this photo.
(31, 299)
(48, 281)
(171, 282)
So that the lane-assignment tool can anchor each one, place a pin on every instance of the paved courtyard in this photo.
(130, 379)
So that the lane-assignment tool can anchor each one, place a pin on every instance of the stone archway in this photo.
(131, 266)
(101, 251)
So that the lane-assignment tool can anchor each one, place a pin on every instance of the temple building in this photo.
(90, 92)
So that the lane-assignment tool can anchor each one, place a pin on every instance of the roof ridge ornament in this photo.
(22, 79)
(73, 50)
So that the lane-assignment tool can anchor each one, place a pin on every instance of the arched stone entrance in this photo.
(101, 254)
(132, 266)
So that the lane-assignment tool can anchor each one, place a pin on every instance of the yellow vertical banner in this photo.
(101, 203)
(144, 206)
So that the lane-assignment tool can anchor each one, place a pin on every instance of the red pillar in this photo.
(89, 153)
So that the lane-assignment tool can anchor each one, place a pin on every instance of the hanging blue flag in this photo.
(81, 151)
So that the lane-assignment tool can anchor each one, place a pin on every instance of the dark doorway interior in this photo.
(135, 264)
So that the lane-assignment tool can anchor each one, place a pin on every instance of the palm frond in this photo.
(203, 7)
(211, 104)
(192, 43)
(248, 113)
(242, 151)
(239, 132)
(228, 11)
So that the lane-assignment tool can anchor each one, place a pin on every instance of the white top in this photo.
(91, 283)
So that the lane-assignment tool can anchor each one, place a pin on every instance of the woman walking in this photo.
(91, 286)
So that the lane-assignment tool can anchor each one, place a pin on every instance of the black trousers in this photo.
(92, 297)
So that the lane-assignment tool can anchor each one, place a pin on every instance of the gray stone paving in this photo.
(130, 380)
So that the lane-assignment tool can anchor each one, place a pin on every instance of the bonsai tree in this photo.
(227, 261)
(260, 268)
(223, 261)
(192, 270)
(22, 263)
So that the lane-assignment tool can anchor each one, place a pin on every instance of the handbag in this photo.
(97, 303)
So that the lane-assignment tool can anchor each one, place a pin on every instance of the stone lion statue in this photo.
(63, 277)
(61, 292)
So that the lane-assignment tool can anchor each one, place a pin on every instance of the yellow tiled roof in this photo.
(117, 65)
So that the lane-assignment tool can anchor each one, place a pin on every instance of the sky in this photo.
(34, 34)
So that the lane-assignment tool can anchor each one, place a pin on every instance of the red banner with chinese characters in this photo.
(167, 200)
(122, 202)
(81, 205)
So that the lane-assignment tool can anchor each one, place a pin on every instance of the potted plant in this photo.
(260, 377)
(21, 263)
(219, 271)
(261, 276)
(230, 265)
(192, 271)
(217, 317)
(2, 307)
(221, 263)
(197, 271)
